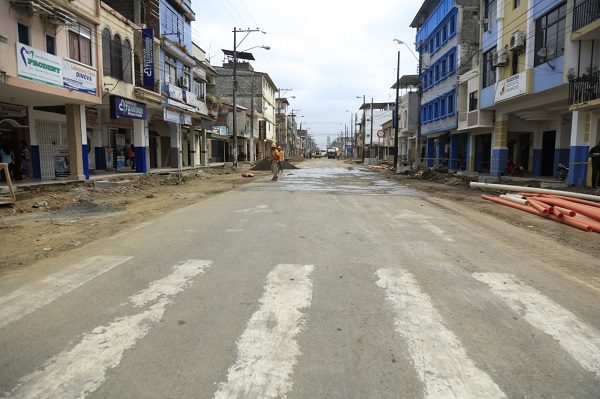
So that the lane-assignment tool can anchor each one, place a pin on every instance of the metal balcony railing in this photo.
(585, 88)
(585, 13)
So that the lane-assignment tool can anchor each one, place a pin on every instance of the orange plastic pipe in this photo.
(569, 221)
(586, 210)
(578, 200)
(565, 211)
(512, 204)
(556, 213)
(540, 206)
(595, 225)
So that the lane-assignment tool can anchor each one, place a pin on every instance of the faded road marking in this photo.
(423, 221)
(39, 294)
(439, 358)
(256, 209)
(581, 340)
(267, 350)
(78, 372)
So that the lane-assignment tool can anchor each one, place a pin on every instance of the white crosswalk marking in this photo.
(34, 296)
(576, 337)
(441, 362)
(77, 372)
(267, 350)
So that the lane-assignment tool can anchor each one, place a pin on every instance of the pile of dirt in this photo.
(265, 164)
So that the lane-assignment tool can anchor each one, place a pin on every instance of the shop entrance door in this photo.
(52, 137)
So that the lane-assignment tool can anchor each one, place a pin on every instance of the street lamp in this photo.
(243, 55)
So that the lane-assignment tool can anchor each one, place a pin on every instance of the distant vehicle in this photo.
(322, 153)
(331, 153)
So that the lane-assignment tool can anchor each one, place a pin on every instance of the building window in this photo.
(550, 35)
(187, 72)
(170, 70)
(442, 107)
(126, 60)
(23, 32)
(50, 44)
(452, 25)
(473, 101)
(517, 3)
(490, 13)
(489, 73)
(450, 104)
(451, 62)
(515, 63)
(106, 52)
(116, 58)
(80, 44)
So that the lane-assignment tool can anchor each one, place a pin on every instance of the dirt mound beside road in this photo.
(50, 219)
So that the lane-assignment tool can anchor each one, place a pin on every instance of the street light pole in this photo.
(396, 147)
(420, 98)
(234, 102)
(371, 142)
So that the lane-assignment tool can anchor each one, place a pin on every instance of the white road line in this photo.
(439, 358)
(267, 350)
(78, 372)
(256, 209)
(581, 340)
(36, 295)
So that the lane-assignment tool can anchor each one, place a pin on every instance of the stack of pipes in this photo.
(576, 212)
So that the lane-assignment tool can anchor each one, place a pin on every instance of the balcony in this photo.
(474, 119)
(586, 20)
(584, 91)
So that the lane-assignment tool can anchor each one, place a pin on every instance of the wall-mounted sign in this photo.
(79, 77)
(39, 66)
(191, 99)
(175, 92)
(148, 56)
(12, 111)
(262, 130)
(120, 106)
(186, 119)
(511, 87)
(92, 118)
(171, 116)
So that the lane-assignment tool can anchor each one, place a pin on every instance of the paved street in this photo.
(332, 282)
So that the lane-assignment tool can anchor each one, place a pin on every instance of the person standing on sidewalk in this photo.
(595, 155)
(281, 159)
(131, 156)
(274, 161)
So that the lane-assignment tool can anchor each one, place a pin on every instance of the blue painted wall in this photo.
(545, 78)
(35, 161)
(140, 160)
(86, 161)
(578, 167)
(499, 159)
(434, 20)
(487, 97)
(536, 163)
(430, 152)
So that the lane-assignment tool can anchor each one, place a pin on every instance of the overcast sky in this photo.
(326, 52)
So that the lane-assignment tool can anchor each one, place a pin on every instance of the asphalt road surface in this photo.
(332, 282)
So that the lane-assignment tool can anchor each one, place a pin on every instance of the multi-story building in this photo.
(375, 115)
(50, 85)
(529, 54)
(447, 41)
(255, 91)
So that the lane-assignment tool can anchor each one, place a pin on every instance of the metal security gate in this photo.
(52, 136)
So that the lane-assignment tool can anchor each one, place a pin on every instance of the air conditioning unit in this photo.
(500, 58)
(184, 81)
(517, 41)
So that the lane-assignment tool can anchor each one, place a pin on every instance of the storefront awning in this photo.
(217, 136)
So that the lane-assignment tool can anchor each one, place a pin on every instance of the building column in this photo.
(454, 148)
(499, 145)
(580, 146)
(141, 142)
(193, 145)
(78, 164)
(175, 130)
(430, 152)
(204, 153)
(538, 139)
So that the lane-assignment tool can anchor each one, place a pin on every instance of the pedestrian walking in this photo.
(274, 161)
(281, 159)
(131, 156)
(595, 155)
(24, 160)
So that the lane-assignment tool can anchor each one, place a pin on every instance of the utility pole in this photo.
(420, 98)
(235, 57)
(395, 120)
(252, 158)
(364, 130)
(371, 142)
